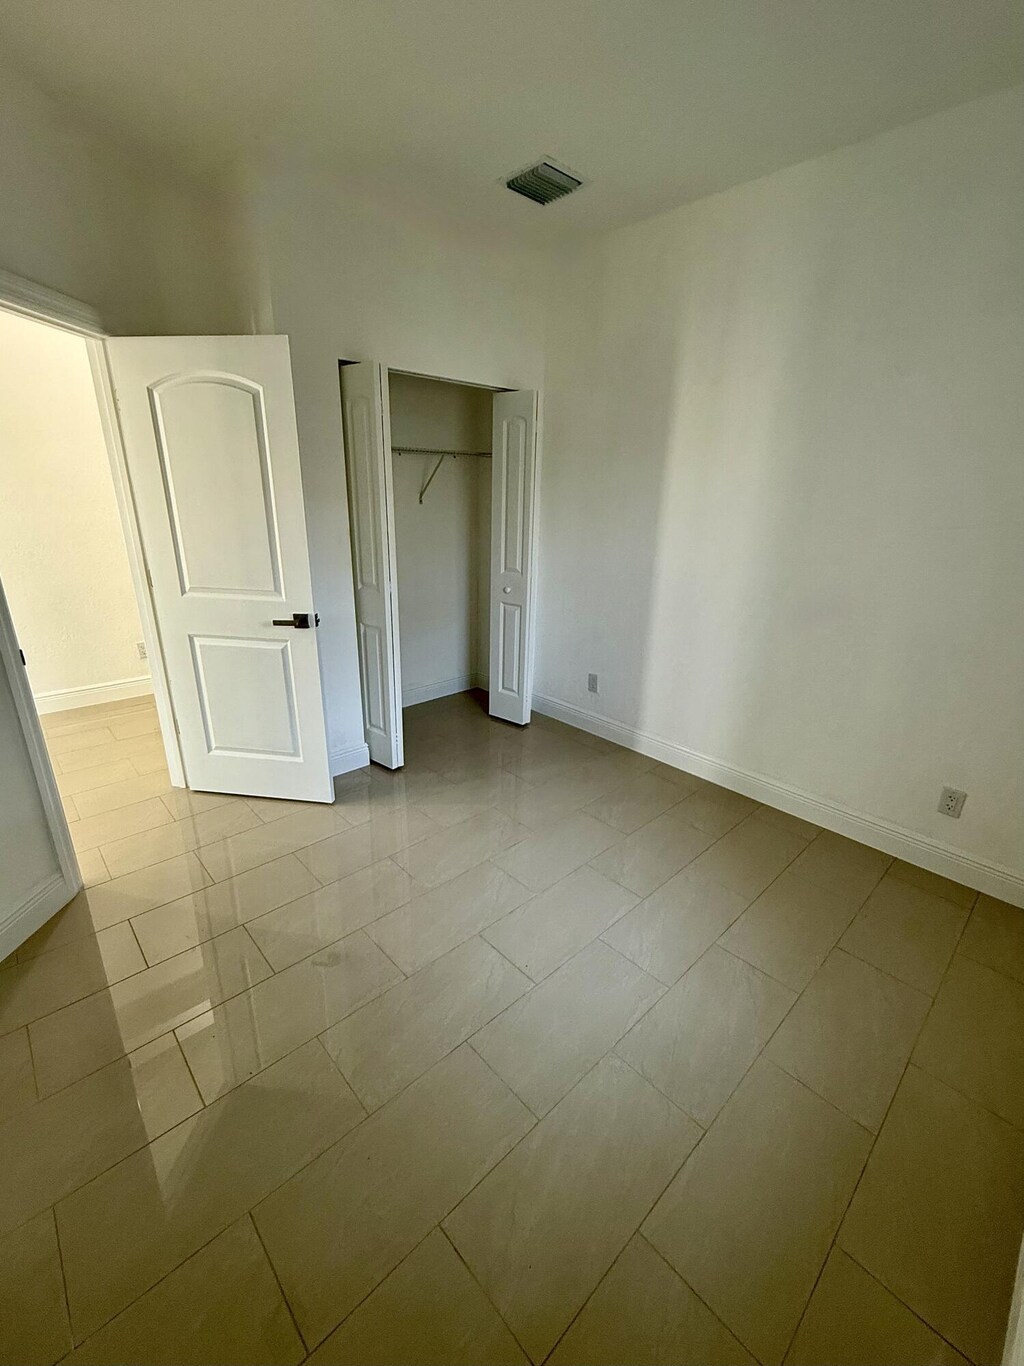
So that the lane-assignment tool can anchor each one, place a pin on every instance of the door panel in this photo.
(257, 676)
(364, 401)
(208, 425)
(513, 493)
(223, 520)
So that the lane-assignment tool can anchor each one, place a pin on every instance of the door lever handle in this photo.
(300, 620)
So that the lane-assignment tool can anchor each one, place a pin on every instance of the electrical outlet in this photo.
(140, 645)
(951, 803)
(591, 682)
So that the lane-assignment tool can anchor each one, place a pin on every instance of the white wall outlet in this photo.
(140, 645)
(951, 803)
(591, 682)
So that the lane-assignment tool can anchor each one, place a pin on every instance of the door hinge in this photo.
(23, 659)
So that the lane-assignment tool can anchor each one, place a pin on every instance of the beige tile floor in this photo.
(537, 1050)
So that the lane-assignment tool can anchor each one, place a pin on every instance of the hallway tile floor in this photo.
(535, 1050)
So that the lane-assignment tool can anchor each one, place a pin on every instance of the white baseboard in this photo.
(445, 688)
(993, 878)
(43, 904)
(118, 691)
(346, 760)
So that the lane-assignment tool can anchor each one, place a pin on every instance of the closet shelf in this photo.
(430, 450)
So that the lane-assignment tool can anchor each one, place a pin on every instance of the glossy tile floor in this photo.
(537, 1050)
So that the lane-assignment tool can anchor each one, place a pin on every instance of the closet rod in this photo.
(431, 450)
(428, 450)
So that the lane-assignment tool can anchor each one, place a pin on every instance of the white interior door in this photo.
(208, 425)
(40, 872)
(364, 401)
(513, 499)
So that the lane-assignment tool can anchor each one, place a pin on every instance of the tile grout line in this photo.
(77, 1000)
(757, 1057)
(540, 1120)
(971, 1100)
(315, 1347)
(206, 1242)
(1006, 976)
(655, 1087)
(642, 896)
(636, 1232)
(146, 1142)
(789, 987)
(398, 968)
(188, 1068)
(259, 953)
(32, 1064)
(52, 1211)
(159, 1281)
(482, 1288)
(924, 1323)
(138, 945)
(536, 1117)
(368, 1116)
(247, 1216)
(319, 1037)
(834, 1241)
(837, 947)
(669, 986)
(718, 1319)
(761, 1053)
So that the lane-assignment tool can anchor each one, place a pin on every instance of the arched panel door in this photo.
(210, 440)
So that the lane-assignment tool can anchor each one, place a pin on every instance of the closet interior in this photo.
(441, 471)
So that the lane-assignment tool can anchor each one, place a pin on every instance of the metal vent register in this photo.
(543, 183)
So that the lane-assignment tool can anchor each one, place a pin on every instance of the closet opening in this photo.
(442, 496)
(441, 463)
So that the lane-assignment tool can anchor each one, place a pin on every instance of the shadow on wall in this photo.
(772, 416)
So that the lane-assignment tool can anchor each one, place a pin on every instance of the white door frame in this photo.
(136, 558)
(48, 306)
(59, 890)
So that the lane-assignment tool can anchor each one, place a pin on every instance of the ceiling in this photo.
(652, 102)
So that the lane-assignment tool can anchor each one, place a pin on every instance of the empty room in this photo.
(512, 682)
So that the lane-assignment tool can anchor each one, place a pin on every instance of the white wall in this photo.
(444, 543)
(352, 277)
(783, 493)
(63, 562)
(86, 217)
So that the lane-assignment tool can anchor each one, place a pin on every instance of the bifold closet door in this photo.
(513, 500)
(364, 401)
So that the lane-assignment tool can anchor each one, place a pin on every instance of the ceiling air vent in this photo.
(543, 183)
